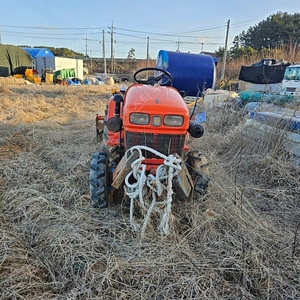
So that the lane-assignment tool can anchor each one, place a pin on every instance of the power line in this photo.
(121, 29)
(141, 39)
(27, 34)
(48, 28)
(47, 33)
(186, 37)
(169, 34)
(98, 32)
(176, 34)
(42, 12)
(49, 38)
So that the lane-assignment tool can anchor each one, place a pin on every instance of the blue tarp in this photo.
(73, 82)
(39, 52)
(277, 119)
(87, 82)
(200, 117)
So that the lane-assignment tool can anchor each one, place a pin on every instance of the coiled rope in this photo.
(162, 181)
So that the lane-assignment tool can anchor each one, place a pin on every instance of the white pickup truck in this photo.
(291, 81)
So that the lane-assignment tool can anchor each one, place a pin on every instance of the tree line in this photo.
(278, 36)
(279, 31)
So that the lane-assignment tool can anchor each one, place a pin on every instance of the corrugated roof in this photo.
(39, 52)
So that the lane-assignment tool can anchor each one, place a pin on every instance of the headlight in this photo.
(139, 119)
(174, 121)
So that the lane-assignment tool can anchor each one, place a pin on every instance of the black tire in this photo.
(99, 182)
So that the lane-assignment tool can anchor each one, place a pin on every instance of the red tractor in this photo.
(152, 118)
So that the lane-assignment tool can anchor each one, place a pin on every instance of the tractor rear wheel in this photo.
(99, 180)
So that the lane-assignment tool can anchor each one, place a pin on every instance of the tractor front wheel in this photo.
(99, 180)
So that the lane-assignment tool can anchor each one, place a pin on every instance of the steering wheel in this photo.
(152, 79)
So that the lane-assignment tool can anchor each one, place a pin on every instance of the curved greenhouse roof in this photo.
(39, 52)
(13, 60)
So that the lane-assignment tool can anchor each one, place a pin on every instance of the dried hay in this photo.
(28, 104)
(240, 241)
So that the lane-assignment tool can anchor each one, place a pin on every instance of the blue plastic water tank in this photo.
(190, 72)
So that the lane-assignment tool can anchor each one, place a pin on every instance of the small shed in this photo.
(42, 58)
(64, 63)
(45, 61)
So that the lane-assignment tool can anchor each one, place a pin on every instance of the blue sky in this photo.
(188, 25)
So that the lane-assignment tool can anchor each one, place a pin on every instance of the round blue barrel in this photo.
(190, 72)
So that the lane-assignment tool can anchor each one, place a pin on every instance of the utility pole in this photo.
(91, 59)
(103, 51)
(202, 47)
(178, 45)
(147, 59)
(0, 38)
(86, 46)
(225, 52)
(112, 46)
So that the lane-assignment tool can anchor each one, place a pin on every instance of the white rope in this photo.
(157, 184)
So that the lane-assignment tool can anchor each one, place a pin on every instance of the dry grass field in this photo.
(239, 241)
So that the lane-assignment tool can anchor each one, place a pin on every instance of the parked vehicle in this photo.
(291, 81)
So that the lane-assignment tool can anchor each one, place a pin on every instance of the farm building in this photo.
(44, 60)
(63, 63)
(41, 58)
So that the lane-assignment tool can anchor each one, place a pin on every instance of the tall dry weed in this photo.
(239, 241)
